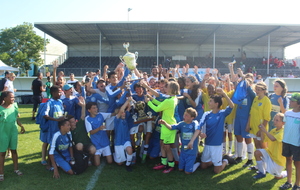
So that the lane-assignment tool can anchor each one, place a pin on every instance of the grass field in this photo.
(116, 177)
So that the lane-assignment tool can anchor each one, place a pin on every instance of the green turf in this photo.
(116, 177)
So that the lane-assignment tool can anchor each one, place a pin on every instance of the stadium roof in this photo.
(172, 32)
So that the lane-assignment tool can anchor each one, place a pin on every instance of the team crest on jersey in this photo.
(259, 104)
(218, 117)
(93, 99)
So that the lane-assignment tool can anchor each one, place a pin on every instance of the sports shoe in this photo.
(287, 185)
(238, 159)
(168, 170)
(252, 168)
(128, 168)
(230, 159)
(296, 187)
(248, 163)
(259, 175)
(159, 167)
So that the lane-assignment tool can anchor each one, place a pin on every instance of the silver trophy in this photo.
(129, 59)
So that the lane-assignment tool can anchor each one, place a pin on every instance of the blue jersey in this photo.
(99, 139)
(276, 107)
(62, 143)
(69, 105)
(113, 91)
(186, 133)
(243, 108)
(54, 109)
(121, 130)
(214, 126)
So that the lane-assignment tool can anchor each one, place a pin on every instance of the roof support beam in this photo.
(212, 33)
(267, 33)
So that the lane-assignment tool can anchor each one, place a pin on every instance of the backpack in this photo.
(81, 159)
(44, 125)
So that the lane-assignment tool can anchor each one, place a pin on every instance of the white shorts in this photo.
(272, 167)
(134, 130)
(229, 128)
(148, 127)
(109, 123)
(103, 151)
(119, 155)
(212, 154)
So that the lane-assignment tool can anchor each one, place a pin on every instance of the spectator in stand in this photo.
(264, 61)
(37, 89)
(294, 63)
(3, 81)
(72, 80)
(291, 75)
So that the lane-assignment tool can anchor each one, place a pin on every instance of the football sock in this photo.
(171, 164)
(224, 147)
(146, 149)
(164, 160)
(260, 166)
(195, 166)
(239, 149)
(175, 154)
(129, 158)
(230, 147)
(250, 149)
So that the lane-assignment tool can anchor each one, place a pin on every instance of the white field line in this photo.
(95, 177)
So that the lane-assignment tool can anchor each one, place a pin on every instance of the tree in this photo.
(20, 46)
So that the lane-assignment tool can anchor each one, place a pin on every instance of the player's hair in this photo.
(111, 73)
(281, 116)
(217, 99)
(192, 112)
(62, 123)
(283, 86)
(90, 104)
(4, 94)
(54, 89)
(175, 87)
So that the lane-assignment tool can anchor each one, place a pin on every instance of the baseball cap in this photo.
(67, 87)
(295, 97)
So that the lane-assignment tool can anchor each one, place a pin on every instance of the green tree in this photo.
(20, 46)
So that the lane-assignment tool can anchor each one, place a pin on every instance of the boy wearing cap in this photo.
(70, 101)
(291, 141)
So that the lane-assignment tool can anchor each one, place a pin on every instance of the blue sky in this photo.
(16, 12)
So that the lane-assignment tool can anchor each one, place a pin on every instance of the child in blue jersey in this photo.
(54, 113)
(122, 137)
(189, 148)
(94, 125)
(62, 142)
(70, 101)
(213, 133)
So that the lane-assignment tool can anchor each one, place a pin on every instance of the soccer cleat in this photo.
(128, 168)
(248, 163)
(252, 168)
(168, 170)
(259, 175)
(287, 185)
(230, 159)
(296, 187)
(159, 167)
(238, 159)
(144, 158)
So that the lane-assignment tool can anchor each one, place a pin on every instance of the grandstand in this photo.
(205, 44)
(74, 65)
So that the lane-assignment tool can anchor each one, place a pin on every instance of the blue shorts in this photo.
(186, 162)
(154, 148)
(240, 127)
(65, 165)
(43, 136)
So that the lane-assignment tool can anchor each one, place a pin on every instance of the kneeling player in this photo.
(213, 133)
(189, 132)
(122, 137)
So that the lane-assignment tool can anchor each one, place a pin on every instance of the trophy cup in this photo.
(142, 116)
(129, 59)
